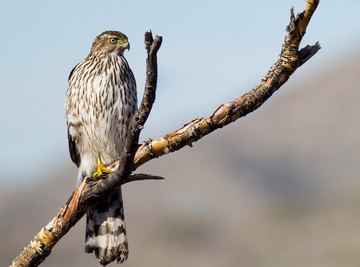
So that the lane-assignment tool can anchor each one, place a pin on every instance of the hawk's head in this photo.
(110, 42)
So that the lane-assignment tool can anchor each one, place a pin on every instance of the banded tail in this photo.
(105, 230)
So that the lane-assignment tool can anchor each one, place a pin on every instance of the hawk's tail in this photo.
(105, 230)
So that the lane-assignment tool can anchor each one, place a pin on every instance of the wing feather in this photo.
(73, 149)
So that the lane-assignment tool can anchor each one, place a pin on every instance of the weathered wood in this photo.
(289, 60)
(134, 156)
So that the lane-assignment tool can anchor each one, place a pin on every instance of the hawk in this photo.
(100, 103)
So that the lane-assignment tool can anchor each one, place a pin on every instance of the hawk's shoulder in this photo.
(72, 71)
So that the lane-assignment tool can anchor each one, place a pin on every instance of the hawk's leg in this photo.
(101, 171)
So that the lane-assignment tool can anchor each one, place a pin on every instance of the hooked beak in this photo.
(123, 44)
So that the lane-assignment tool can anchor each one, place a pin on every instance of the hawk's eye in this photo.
(113, 40)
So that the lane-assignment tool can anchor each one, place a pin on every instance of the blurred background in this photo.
(280, 187)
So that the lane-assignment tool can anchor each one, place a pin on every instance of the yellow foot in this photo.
(101, 170)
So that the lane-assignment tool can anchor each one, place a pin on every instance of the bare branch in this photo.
(289, 60)
(89, 191)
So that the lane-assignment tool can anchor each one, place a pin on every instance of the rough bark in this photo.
(289, 60)
(134, 156)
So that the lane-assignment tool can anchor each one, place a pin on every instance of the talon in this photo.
(101, 170)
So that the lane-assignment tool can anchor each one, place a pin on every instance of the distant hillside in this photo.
(279, 188)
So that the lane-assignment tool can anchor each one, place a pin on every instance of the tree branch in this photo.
(133, 156)
(289, 60)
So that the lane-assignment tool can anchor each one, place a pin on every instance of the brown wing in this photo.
(74, 151)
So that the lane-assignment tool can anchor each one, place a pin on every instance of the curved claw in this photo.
(101, 171)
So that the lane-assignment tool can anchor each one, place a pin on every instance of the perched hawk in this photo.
(101, 100)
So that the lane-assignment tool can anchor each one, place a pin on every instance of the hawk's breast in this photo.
(101, 100)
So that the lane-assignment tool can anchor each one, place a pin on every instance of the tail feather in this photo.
(105, 230)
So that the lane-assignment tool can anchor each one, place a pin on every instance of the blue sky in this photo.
(213, 51)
